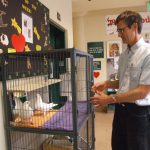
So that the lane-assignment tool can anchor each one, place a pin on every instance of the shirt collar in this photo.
(136, 45)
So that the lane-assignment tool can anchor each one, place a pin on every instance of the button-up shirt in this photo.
(134, 69)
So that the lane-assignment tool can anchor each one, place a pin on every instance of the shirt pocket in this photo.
(135, 73)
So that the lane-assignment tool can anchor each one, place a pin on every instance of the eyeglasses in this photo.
(121, 30)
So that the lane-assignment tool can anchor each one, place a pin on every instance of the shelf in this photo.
(31, 86)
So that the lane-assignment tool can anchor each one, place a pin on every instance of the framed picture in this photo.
(114, 48)
(97, 65)
(27, 27)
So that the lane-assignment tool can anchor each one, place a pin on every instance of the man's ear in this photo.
(135, 26)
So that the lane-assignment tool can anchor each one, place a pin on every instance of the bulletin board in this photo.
(24, 26)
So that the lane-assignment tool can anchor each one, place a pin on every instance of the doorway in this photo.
(57, 41)
(57, 36)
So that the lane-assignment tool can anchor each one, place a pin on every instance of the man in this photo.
(131, 124)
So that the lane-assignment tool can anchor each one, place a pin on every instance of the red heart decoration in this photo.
(18, 42)
(96, 74)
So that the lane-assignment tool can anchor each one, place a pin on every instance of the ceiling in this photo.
(80, 6)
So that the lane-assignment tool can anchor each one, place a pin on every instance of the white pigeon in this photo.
(40, 105)
(23, 110)
(27, 111)
(18, 106)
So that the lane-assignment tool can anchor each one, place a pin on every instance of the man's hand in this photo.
(99, 87)
(101, 99)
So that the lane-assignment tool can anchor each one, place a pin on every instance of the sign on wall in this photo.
(112, 29)
(96, 49)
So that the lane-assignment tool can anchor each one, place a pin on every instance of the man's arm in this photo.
(101, 86)
(138, 93)
(135, 94)
(112, 84)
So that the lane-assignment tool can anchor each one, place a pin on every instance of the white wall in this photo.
(90, 27)
(64, 7)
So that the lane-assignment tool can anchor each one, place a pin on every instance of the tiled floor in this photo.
(103, 127)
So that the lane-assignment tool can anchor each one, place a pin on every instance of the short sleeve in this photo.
(145, 72)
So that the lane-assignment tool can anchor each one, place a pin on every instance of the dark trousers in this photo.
(131, 127)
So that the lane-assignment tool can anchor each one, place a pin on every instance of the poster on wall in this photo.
(97, 65)
(116, 59)
(27, 27)
(96, 49)
(114, 48)
(110, 24)
(111, 69)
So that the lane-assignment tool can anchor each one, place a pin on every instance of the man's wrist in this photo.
(114, 98)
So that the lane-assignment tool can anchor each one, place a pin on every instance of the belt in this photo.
(127, 104)
(132, 106)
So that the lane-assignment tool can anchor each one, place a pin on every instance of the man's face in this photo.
(125, 33)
